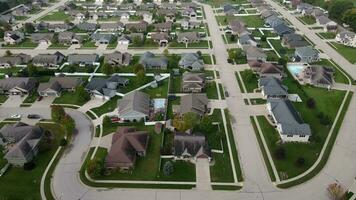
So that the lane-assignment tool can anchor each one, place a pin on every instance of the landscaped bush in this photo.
(63, 142)
(29, 166)
(280, 153)
(300, 162)
(96, 167)
(168, 168)
(311, 103)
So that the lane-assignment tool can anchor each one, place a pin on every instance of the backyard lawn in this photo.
(25, 44)
(3, 98)
(56, 16)
(250, 21)
(69, 98)
(108, 106)
(338, 76)
(183, 171)
(20, 184)
(308, 20)
(211, 90)
(160, 92)
(249, 79)
(348, 52)
(327, 35)
(175, 86)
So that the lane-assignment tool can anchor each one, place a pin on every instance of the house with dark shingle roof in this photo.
(272, 88)
(56, 85)
(14, 60)
(48, 60)
(24, 140)
(44, 38)
(102, 38)
(13, 37)
(317, 75)
(117, 58)
(17, 85)
(82, 59)
(294, 40)
(117, 26)
(193, 82)
(137, 27)
(254, 53)
(106, 88)
(126, 145)
(195, 102)
(306, 54)
(283, 29)
(190, 147)
(289, 124)
(188, 37)
(191, 61)
(163, 27)
(150, 61)
(134, 106)
(161, 38)
(85, 26)
(68, 38)
(266, 69)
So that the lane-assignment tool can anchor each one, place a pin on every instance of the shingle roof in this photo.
(194, 145)
(134, 101)
(272, 87)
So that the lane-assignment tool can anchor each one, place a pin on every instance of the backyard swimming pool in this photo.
(295, 68)
(159, 104)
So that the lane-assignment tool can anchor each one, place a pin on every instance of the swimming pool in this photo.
(295, 68)
(159, 104)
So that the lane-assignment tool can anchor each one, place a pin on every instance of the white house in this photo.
(347, 38)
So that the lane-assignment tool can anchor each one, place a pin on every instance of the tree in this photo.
(95, 167)
(263, 38)
(282, 61)
(300, 162)
(185, 122)
(349, 18)
(280, 153)
(81, 94)
(29, 166)
(29, 28)
(168, 168)
(106, 121)
(166, 52)
(2, 32)
(32, 70)
(8, 53)
(55, 39)
(138, 67)
(137, 42)
(68, 124)
(311, 103)
(338, 8)
(108, 69)
(335, 191)
(141, 77)
(232, 38)
(57, 113)
(199, 54)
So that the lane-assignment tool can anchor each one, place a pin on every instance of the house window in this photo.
(289, 135)
(301, 135)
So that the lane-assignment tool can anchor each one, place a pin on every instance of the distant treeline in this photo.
(7, 4)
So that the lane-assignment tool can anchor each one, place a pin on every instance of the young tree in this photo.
(32, 70)
(349, 17)
(338, 8)
(95, 167)
(68, 124)
(141, 77)
(311, 103)
(263, 38)
(106, 121)
(280, 153)
(8, 53)
(166, 52)
(108, 69)
(168, 168)
(81, 94)
(137, 41)
(29, 28)
(138, 67)
(57, 113)
(300, 162)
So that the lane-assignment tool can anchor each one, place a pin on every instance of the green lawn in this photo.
(56, 16)
(272, 56)
(148, 44)
(160, 92)
(20, 184)
(31, 98)
(207, 59)
(327, 35)
(89, 45)
(348, 52)
(269, 33)
(3, 161)
(25, 44)
(249, 79)
(183, 171)
(211, 90)
(221, 91)
(175, 86)
(201, 44)
(69, 98)
(108, 106)
(283, 51)
(256, 33)
(3, 98)
(338, 76)
(170, 105)
(308, 20)
(250, 21)
(258, 101)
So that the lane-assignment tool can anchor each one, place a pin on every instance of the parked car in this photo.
(16, 116)
(33, 116)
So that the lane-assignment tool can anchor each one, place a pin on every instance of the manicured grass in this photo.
(283, 51)
(3, 161)
(256, 33)
(308, 19)
(148, 43)
(239, 82)
(225, 187)
(88, 45)
(69, 98)
(201, 44)
(160, 92)
(175, 86)
(269, 33)
(31, 98)
(272, 56)
(249, 79)
(183, 171)
(56, 16)
(327, 35)
(230, 39)
(108, 106)
(250, 21)
(347, 52)
(221, 91)
(17, 183)
(90, 114)
(211, 90)
(218, 3)
(3, 98)
(258, 101)
(338, 76)
(207, 59)
(25, 44)
(10, 70)
(170, 105)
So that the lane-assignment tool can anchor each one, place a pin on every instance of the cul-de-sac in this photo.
(177, 99)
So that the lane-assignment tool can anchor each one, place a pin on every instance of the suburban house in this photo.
(20, 11)
(48, 60)
(127, 143)
(169, 15)
(191, 61)
(150, 61)
(317, 75)
(102, 38)
(42, 38)
(193, 82)
(82, 59)
(23, 142)
(106, 88)
(194, 102)
(189, 12)
(134, 106)
(273, 21)
(57, 28)
(188, 37)
(111, 27)
(272, 88)
(266, 69)
(85, 26)
(8, 18)
(56, 85)
(163, 27)
(137, 27)
(230, 10)
(246, 39)
(13, 37)
(17, 85)
(347, 38)
(327, 24)
(237, 27)
(293, 40)
(190, 147)
(188, 24)
(68, 38)
(282, 29)
(14, 60)
(289, 124)
(161, 38)
(254, 53)
(117, 58)
(306, 54)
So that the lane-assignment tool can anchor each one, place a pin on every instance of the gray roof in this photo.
(295, 40)
(102, 37)
(191, 60)
(149, 60)
(58, 83)
(86, 26)
(82, 58)
(116, 25)
(54, 59)
(272, 87)
(282, 29)
(135, 102)
(194, 145)
(288, 118)
(274, 21)
(24, 83)
(36, 37)
(254, 52)
(306, 51)
(191, 36)
(196, 103)
(106, 87)
(15, 59)
(118, 58)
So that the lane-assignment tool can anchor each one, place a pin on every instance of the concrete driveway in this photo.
(203, 174)
(44, 103)
(13, 101)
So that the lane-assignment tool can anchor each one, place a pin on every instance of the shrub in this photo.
(280, 153)
(320, 115)
(325, 120)
(63, 142)
(168, 168)
(95, 167)
(300, 162)
(29, 166)
(311, 103)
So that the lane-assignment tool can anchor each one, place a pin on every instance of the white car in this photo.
(16, 116)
